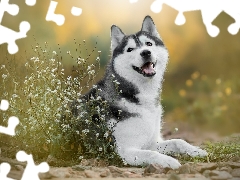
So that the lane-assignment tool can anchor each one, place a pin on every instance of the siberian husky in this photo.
(137, 66)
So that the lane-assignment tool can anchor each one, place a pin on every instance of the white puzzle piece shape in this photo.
(12, 9)
(209, 10)
(4, 170)
(59, 19)
(8, 35)
(30, 2)
(12, 124)
(31, 171)
(76, 11)
(12, 121)
(4, 105)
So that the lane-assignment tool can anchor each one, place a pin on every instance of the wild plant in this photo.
(43, 101)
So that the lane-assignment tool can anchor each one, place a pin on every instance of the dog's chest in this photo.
(141, 129)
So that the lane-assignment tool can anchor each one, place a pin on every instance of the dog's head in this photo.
(138, 56)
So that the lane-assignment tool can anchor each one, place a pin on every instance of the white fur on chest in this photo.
(139, 131)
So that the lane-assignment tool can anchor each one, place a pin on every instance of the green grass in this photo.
(228, 150)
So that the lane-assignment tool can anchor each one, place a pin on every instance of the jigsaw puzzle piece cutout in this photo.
(76, 11)
(209, 10)
(156, 6)
(31, 171)
(9, 36)
(4, 105)
(234, 28)
(30, 2)
(12, 124)
(232, 8)
(4, 170)
(12, 9)
(208, 15)
(180, 19)
(59, 19)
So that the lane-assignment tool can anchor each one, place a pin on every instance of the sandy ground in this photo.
(189, 171)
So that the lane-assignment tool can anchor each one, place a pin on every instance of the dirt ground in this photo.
(188, 171)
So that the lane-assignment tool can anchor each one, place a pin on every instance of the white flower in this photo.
(54, 52)
(58, 115)
(97, 134)
(116, 82)
(80, 157)
(4, 76)
(79, 100)
(92, 72)
(89, 68)
(105, 135)
(98, 109)
(14, 96)
(69, 78)
(85, 131)
(98, 98)
(100, 149)
(36, 60)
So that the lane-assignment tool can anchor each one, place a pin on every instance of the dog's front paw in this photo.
(196, 151)
(186, 148)
(169, 162)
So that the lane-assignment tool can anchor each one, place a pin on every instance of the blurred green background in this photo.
(201, 87)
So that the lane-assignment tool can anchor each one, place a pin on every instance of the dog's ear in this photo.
(116, 36)
(149, 26)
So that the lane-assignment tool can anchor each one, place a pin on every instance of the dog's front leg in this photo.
(134, 156)
(179, 146)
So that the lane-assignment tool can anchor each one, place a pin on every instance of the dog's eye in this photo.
(148, 44)
(129, 49)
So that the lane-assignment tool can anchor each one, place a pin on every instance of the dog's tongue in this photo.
(147, 68)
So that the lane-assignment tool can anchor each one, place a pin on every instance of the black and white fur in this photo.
(132, 86)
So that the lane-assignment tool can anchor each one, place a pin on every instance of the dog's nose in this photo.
(145, 53)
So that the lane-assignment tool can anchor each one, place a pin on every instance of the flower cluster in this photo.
(54, 119)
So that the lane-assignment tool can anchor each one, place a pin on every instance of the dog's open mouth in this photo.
(147, 69)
